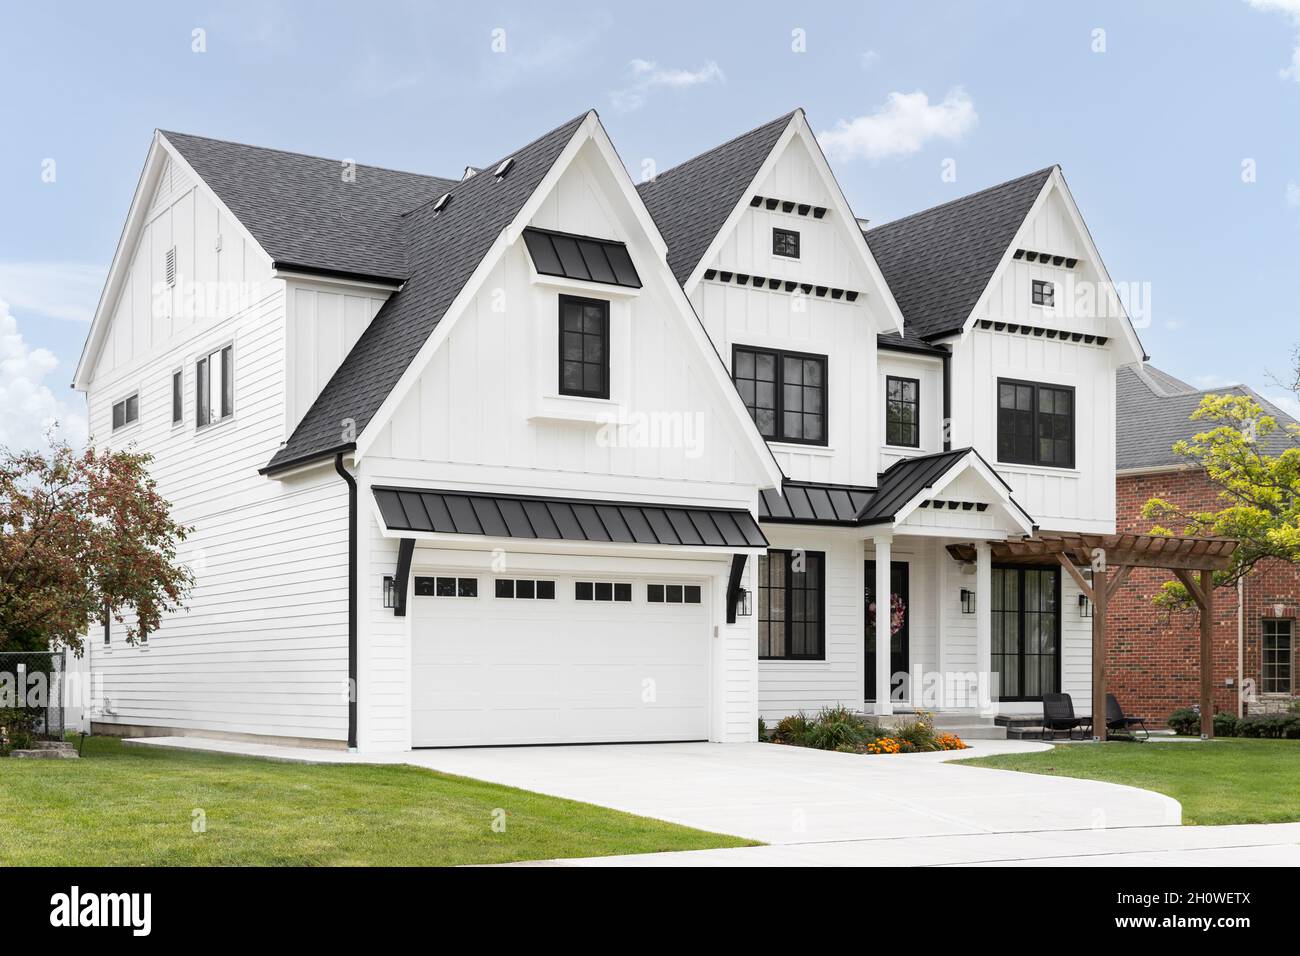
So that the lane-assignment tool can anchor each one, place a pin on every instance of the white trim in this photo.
(972, 462)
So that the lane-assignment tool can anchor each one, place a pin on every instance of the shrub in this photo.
(1225, 725)
(17, 727)
(1185, 721)
(846, 731)
(792, 730)
(836, 728)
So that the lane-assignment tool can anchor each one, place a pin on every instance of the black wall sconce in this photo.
(743, 606)
(1085, 606)
(967, 601)
(390, 591)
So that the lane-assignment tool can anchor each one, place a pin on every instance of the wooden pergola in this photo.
(1112, 557)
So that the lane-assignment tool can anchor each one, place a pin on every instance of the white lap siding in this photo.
(261, 647)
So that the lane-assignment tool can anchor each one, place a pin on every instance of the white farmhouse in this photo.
(539, 455)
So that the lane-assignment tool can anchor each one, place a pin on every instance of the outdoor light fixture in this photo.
(390, 591)
(1085, 606)
(967, 601)
(743, 606)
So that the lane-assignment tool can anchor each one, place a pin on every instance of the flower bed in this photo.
(843, 730)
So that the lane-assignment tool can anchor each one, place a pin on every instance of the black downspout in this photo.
(947, 399)
(352, 599)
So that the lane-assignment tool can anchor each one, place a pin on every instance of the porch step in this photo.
(970, 726)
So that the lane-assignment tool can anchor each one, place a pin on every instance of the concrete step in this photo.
(987, 731)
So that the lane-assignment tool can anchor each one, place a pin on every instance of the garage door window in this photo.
(601, 591)
(672, 593)
(446, 587)
(525, 589)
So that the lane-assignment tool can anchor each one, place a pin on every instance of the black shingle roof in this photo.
(302, 211)
(1153, 410)
(690, 202)
(938, 261)
(443, 249)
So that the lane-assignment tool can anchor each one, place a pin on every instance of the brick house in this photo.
(1153, 655)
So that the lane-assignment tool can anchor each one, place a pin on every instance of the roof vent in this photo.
(170, 267)
(442, 202)
(505, 167)
(469, 171)
(862, 223)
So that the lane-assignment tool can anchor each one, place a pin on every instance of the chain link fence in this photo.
(31, 694)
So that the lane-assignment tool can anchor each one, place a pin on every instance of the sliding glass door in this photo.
(1026, 632)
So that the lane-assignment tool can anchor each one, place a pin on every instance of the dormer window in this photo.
(785, 242)
(1044, 293)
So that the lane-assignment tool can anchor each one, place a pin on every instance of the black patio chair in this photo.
(1058, 714)
(1117, 720)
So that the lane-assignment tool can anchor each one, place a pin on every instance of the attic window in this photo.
(1044, 294)
(785, 242)
(442, 202)
(170, 267)
(504, 168)
(126, 411)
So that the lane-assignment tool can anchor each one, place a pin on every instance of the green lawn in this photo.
(127, 806)
(1217, 782)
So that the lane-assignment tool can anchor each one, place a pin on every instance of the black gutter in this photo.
(308, 271)
(320, 455)
(352, 599)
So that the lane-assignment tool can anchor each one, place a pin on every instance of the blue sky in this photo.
(1152, 121)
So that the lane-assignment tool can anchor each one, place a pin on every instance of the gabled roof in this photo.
(443, 249)
(690, 202)
(803, 502)
(305, 214)
(939, 261)
(1153, 410)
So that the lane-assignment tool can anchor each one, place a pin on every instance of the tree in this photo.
(1260, 491)
(82, 535)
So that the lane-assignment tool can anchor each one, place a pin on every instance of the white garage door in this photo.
(602, 660)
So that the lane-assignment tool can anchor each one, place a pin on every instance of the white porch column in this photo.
(884, 706)
(984, 623)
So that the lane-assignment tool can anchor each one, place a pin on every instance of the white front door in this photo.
(606, 659)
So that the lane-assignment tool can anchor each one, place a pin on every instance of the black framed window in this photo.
(1044, 293)
(214, 386)
(1026, 611)
(1276, 656)
(584, 347)
(178, 397)
(126, 411)
(1035, 424)
(785, 242)
(672, 593)
(902, 411)
(785, 393)
(791, 605)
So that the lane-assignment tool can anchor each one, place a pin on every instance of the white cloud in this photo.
(901, 127)
(1292, 194)
(1287, 401)
(1291, 10)
(646, 75)
(1212, 381)
(31, 406)
(868, 59)
(56, 290)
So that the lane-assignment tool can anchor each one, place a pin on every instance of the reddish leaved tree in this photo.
(84, 533)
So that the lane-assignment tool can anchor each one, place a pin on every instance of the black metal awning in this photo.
(581, 257)
(565, 519)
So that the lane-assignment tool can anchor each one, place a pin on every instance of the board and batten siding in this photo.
(261, 646)
(929, 373)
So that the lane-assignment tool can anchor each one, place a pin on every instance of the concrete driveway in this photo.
(826, 809)
(789, 795)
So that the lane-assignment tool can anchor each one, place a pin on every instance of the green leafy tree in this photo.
(1254, 462)
(82, 534)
